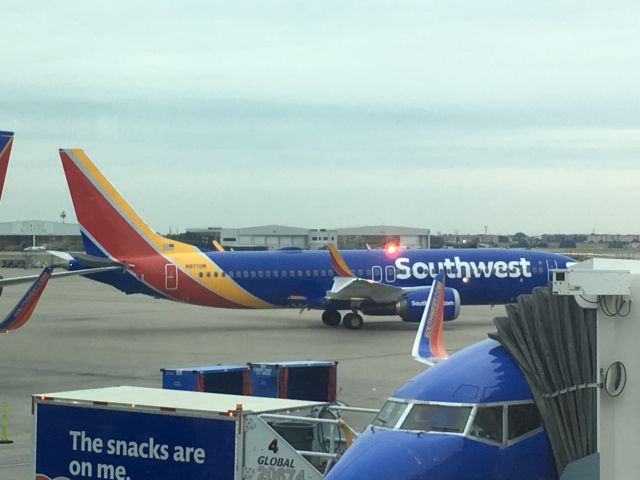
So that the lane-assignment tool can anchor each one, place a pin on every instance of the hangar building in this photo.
(378, 236)
(19, 235)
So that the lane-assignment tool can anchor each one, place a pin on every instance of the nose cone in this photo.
(381, 454)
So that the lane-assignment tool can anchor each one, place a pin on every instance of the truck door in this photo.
(170, 276)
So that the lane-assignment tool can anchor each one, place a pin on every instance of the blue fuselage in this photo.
(284, 278)
(481, 276)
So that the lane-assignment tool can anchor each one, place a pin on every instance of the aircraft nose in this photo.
(381, 454)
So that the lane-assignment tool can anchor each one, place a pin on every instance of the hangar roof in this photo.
(39, 227)
(383, 230)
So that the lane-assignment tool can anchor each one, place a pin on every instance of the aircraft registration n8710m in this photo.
(135, 259)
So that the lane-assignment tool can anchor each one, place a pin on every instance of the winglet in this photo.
(428, 346)
(340, 267)
(6, 141)
(27, 304)
(217, 246)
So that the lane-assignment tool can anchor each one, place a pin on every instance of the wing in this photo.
(217, 246)
(27, 304)
(348, 287)
(354, 288)
(428, 346)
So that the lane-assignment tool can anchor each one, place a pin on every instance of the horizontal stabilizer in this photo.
(27, 304)
(428, 346)
(5, 282)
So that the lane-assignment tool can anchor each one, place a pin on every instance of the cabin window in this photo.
(390, 273)
(245, 274)
(437, 418)
(329, 273)
(230, 274)
(300, 273)
(389, 414)
(260, 274)
(523, 419)
(323, 273)
(253, 274)
(307, 273)
(487, 424)
(267, 274)
(215, 274)
(238, 274)
(200, 274)
(208, 274)
(315, 273)
(367, 274)
(224, 274)
(376, 274)
(292, 273)
(276, 273)
(360, 272)
(284, 274)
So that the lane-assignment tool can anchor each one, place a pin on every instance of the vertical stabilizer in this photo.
(6, 142)
(428, 346)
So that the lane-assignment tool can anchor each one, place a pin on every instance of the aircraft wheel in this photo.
(331, 317)
(352, 321)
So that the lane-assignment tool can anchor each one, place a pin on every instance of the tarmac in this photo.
(88, 335)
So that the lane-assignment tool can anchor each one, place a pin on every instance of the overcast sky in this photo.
(449, 115)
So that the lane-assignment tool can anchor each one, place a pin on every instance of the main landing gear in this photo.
(331, 318)
(351, 321)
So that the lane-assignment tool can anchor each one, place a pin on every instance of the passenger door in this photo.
(170, 277)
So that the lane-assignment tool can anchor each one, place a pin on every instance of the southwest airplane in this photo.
(123, 251)
(470, 417)
(135, 259)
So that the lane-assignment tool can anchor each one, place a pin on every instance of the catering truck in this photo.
(133, 433)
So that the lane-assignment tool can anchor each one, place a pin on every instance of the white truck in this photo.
(133, 433)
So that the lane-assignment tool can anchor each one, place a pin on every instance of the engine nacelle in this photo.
(411, 307)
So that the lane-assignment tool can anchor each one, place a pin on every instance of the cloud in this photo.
(326, 114)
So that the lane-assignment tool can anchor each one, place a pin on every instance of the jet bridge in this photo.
(576, 343)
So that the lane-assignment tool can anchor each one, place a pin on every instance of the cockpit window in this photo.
(487, 424)
(389, 414)
(437, 418)
(523, 419)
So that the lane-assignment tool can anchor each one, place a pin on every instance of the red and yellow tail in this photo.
(106, 219)
(111, 228)
(6, 141)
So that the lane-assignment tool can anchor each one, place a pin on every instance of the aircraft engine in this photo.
(411, 307)
(412, 304)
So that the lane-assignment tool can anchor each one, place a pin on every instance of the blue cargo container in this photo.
(230, 379)
(300, 380)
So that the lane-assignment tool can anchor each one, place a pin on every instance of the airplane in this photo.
(393, 281)
(25, 307)
(6, 142)
(470, 416)
(373, 282)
